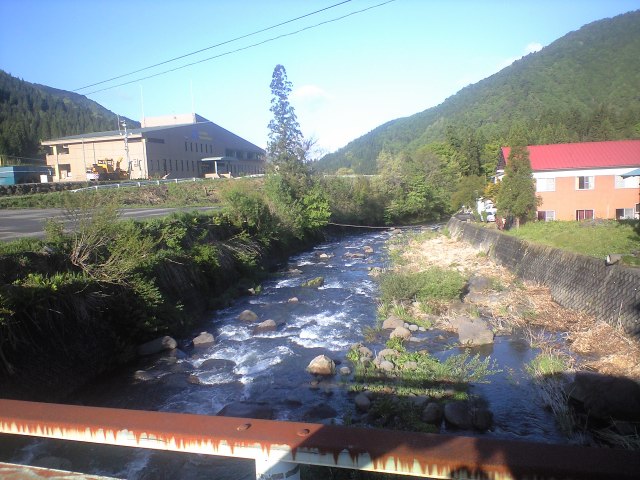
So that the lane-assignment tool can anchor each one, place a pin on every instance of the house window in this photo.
(584, 215)
(585, 183)
(631, 182)
(546, 185)
(185, 146)
(546, 215)
(624, 213)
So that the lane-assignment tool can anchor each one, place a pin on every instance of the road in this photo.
(20, 223)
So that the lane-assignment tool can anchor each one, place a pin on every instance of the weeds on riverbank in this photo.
(83, 298)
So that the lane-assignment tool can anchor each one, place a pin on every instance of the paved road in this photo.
(15, 224)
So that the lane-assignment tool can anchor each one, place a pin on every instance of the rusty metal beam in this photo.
(426, 455)
(9, 471)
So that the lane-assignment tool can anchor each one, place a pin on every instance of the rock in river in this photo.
(322, 365)
(248, 316)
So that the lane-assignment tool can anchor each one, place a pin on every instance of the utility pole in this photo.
(126, 146)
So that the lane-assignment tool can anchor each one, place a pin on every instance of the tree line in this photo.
(30, 113)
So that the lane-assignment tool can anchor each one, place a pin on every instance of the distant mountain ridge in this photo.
(30, 112)
(583, 86)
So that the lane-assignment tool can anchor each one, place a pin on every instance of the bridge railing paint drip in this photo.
(278, 446)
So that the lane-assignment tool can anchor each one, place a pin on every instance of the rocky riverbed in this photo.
(254, 359)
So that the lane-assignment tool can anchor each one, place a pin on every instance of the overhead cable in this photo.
(272, 39)
(212, 46)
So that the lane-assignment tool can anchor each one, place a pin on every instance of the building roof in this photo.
(573, 156)
(191, 119)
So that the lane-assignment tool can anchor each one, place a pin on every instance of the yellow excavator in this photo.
(107, 169)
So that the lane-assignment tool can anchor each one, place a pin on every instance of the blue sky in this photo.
(349, 76)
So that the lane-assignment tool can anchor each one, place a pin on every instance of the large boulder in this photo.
(401, 332)
(363, 403)
(432, 413)
(322, 365)
(247, 316)
(392, 322)
(158, 345)
(365, 352)
(386, 366)
(266, 326)
(205, 338)
(474, 332)
(605, 397)
(458, 414)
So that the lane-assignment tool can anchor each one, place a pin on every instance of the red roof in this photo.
(570, 156)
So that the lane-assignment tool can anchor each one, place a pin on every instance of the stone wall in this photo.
(610, 293)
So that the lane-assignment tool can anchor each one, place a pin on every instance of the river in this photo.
(264, 374)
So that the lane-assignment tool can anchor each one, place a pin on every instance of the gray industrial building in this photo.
(171, 146)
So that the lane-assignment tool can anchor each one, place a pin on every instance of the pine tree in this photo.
(286, 143)
(517, 197)
(296, 198)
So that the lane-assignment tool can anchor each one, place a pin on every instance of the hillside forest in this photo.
(582, 87)
(30, 113)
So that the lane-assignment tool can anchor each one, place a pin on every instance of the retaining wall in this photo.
(610, 293)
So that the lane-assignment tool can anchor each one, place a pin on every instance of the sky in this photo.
(354, 65)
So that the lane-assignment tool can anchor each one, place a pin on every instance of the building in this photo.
(16, 174)
(578, 181)
(171, 146)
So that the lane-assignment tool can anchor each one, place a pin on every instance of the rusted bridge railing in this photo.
(279, 447)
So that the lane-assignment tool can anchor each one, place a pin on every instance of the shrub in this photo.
(432, 284)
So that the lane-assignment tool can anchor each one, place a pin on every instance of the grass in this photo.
(189, 194)
(547, 364)
(432, 284)
(592, 238)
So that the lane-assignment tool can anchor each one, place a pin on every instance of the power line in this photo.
(212, 46)
(272, 39)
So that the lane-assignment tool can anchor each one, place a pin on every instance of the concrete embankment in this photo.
(609, 292)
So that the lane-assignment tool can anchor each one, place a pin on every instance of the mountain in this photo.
(583, 86)
(30, 112)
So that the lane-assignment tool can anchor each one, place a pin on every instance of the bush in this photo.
(432, 284)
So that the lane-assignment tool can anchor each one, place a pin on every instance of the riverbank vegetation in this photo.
(579, 361)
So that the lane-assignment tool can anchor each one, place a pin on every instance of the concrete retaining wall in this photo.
(610, 293)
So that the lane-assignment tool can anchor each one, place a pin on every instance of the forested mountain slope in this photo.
(583, 86)
(30, 113)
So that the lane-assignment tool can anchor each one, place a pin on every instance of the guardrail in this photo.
(279, 447)
(137, 183)
(143, 183)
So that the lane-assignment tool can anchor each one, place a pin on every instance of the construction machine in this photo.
(107, 169)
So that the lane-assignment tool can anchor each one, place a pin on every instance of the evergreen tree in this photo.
(296, 199)
(517, 196)
(286, 143)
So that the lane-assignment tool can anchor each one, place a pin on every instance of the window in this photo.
(631, 182)
(585, 183)
(624, 213)
(185, 146)
(584, 215)
(546, 185)
(191, 146)
(546, 215)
